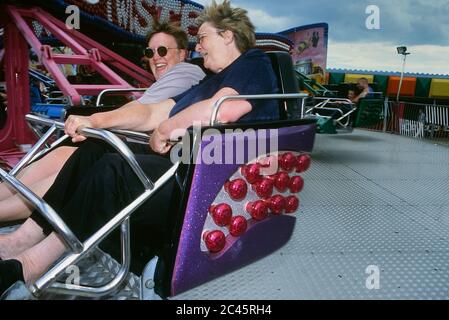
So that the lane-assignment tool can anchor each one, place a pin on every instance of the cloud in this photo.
(420, 25)
(262, 20)
(382, 56)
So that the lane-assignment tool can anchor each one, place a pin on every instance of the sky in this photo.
(420, 25)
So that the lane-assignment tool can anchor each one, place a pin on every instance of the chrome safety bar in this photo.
(50, 276)
(107, 136)
(97, 104)
(52, 217)
(132, 134)
(26, 159)
(326, 100)
(50, 147)
(220, 101)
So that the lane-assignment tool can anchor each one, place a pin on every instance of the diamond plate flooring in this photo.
(370, 200)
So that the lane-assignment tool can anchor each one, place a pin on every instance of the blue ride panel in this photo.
(52, 111)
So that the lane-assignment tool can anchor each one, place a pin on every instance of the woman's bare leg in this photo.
(16, 208)
(37, 259)
(25, 237)
(32, 248)
(49, 165)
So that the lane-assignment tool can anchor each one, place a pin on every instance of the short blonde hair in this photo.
(224, 17)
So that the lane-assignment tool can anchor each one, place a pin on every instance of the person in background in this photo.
(365, 90)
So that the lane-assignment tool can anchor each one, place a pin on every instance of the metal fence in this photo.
(421, 121)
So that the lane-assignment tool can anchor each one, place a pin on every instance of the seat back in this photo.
(186, 261)
(370, 112)
(287, 83)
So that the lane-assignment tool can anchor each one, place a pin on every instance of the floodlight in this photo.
(402, 50)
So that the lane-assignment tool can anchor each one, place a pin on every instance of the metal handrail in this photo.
(107, 136)
(132, 134)
(26, 159)
(116, 90)
(50, 147)
(326, 100)
(220, 101)
(50, 276)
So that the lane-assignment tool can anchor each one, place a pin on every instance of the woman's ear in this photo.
(228, 35)
(182, 54)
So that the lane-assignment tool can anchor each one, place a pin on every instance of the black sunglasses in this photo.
(161, 51)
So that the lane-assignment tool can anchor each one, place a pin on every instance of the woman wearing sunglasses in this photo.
(94, 185)
(166, 53)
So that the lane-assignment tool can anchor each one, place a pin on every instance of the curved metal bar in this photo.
(52, 217)
(50, 276)
(220, 101)
(97, 103)
(133, 134)
(50, 148)
(44, 121)
(109, 137)
(26, 159)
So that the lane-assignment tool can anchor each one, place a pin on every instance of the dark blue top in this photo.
(251, 73)
(370, 94)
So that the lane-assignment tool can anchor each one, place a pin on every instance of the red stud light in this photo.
(215, 240)
(287, 161)
(291, 204)
(281, 181)
(221, 214)
(264, 188)
(251, 172)
(238, 226)
(257, 209)
(303, 163)
(296, 184)
(237, 189)
(276, 204)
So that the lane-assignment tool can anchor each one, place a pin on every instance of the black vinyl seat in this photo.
(287, 83)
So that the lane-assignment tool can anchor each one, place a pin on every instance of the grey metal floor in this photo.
(370, 199)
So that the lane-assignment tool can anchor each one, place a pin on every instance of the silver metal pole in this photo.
(386, 104)
(50, 276)
(402, 76)
(220, 101)
(50, 215)
(24, 161)
(97, 104)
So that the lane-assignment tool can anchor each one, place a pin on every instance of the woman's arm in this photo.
(201, 112)
(131, 116)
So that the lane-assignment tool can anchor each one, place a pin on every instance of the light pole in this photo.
(402, 50)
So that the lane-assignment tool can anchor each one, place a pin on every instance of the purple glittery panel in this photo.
(194, 267)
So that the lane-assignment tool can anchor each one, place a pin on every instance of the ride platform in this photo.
(372, 202)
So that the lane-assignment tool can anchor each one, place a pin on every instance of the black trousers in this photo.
(96, 183)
